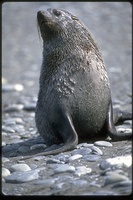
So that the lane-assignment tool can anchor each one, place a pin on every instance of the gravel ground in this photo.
(85, 170)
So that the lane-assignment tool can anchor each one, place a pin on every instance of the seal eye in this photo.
(56, 12)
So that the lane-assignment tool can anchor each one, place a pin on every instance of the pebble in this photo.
(46, 182)
(84, 151)
(63, 168)
(6, 149)
(79, 183)
(8, 129)
(53, 160)
(22, 177)
(103, 144)
(81, 170)
(3, 144)
(4, 159)
(92, 158)
(4, 133)
(38, 158)
(62, 157)
(23, 149)
(96, 150)
(84, 145)
(15, 146)
(124, 130)
(14, 137)
(120, 161)
(38, 146)
(74, 157)
(19, 168)
(14, 108)
(32, 166)
(30, 107)
(122, 184)
(128, 149)
(5, 172)
(12, 87)
(114, 178)
(9, 122)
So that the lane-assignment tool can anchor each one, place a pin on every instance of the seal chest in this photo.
(74, 94)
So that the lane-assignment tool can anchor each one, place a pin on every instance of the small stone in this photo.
(62, 157)
(11, 87)
(124, 130)
(96, 150)
(120, 161)
(6, 149)
(84, 145)
(103, 144)
(114, 178)
(46, 183)
(4, 159)
(84, 151)
(16, 140)
(80, 183)
(22, 177)
(19, 168)
(14, 108)
(5, 172)
(81, 170)
(30, 107)
(14, 137)
(38, 146)
(32, 166)
(64, 168)
(104, 165)
(127, 150)
(122, 184)
(8, 129)
(3, 144)
(38, 158)
(4, 133)
(23, 149)
(74, 157)
(92, 158)
(52, 160)
(18, 120)
(13, 154)
(15, 146)
(9, 122)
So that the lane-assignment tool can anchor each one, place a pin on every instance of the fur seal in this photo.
(74, 99)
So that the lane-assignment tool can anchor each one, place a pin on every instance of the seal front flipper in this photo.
(110, 127)
(66, 129)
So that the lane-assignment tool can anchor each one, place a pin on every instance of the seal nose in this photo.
(40, 13)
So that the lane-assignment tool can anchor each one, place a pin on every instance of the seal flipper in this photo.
(110, 127)
(68, 133)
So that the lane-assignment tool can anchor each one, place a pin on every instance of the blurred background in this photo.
(109, 22)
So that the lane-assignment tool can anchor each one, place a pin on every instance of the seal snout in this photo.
(43, 17)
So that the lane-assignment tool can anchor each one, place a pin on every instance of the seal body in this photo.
(74, 99)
